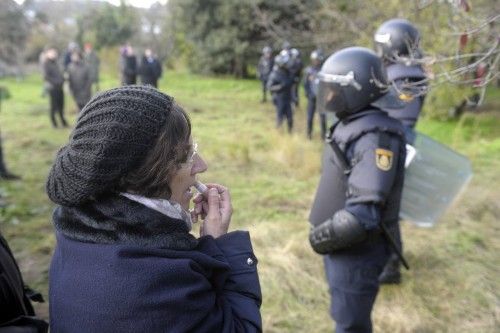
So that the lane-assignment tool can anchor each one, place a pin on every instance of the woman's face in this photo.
(185, 178)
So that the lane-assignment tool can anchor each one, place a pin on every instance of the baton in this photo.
(393, 245)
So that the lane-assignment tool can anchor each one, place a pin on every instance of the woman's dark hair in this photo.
(151, 179)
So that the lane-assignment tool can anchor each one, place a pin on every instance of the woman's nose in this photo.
(199, 165)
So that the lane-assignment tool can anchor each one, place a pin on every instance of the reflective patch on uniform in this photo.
(406, 97)
(383, 159)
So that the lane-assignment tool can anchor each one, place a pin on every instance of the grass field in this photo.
(454, 284)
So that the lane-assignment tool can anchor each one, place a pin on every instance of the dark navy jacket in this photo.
(279, 84)
(125, 287)
(265, 67)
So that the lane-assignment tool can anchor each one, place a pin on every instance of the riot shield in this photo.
(433, 181)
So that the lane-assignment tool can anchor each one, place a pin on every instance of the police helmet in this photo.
(282, 59)
(295, 53)
(397, 38)
(317, 55)
(267, 50)
(352, 79)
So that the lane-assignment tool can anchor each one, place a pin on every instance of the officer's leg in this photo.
(280, 110)
(264, 90)
(53, 106)
(391, 273)
(289, 117)
(310, 116)
(353, 280)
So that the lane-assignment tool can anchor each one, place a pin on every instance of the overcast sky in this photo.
(135, 3)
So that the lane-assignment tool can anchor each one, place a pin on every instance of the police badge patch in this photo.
(383, 159)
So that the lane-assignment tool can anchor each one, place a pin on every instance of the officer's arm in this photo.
(375, 158)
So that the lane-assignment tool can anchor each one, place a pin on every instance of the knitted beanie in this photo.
(113, 134)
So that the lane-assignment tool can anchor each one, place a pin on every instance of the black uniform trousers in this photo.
(57, 105)
(283, 110)
(352, 276)
(311, 109)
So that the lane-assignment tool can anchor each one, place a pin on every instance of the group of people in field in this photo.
(281, 76)
(80, 69)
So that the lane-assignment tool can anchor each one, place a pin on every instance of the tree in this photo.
(113, 25)
(14, 32)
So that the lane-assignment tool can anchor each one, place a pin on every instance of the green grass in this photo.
(454, 282)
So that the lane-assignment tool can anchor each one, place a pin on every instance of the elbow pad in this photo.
(339, 232)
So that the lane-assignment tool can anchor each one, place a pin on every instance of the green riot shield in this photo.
(434, 179)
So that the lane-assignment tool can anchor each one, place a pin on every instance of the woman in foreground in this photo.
(125, 259)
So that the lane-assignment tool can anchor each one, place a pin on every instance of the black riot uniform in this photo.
(310, 88)
(264, 68)
(280, 85)
(295, 67)
(397, 43)
(356, 207)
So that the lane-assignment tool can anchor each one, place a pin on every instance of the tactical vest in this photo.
(333, 188)
(399, 72)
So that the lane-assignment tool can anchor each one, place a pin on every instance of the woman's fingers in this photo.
(213, 204)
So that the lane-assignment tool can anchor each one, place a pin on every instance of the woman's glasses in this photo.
(192, 154)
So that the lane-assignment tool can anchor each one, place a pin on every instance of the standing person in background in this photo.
(280, 85)
(397, 43)
(92, 61)
(150, 69)
(310, 88)
(296, 67)
(72, 47)
(264, 69)
(54, 81)
(80, 81)
(128, 66)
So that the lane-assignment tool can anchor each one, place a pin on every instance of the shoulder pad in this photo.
(368, 121)
(400, 71)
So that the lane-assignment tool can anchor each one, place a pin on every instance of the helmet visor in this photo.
(330, 97)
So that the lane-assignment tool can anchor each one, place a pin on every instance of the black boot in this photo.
(391, 273)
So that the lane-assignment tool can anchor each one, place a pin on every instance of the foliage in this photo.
(114, 25)
(13, 34)
(226, 37)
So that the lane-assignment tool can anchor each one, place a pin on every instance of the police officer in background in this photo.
(397, 43)
(295, 66)
(310, 89)
(280, 85)
(264, 69)
(356, 206)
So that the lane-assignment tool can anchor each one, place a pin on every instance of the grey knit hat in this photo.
(112, 136)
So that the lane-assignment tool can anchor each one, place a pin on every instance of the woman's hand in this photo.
(214, 206)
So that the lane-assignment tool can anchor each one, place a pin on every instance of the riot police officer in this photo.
(295, 66)
(280, 85)
(264, 69)
(397, 43)
(310, 89)
(357, 201)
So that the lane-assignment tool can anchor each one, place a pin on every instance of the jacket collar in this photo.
(116, 219)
